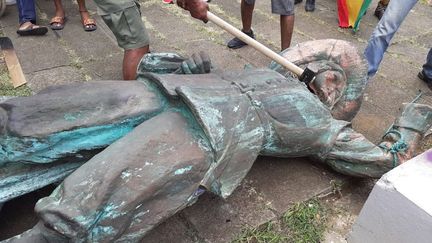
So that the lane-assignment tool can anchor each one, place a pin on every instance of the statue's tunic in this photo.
(250, 113)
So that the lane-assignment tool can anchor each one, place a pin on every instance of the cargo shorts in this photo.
(281, 7)
(123, 17)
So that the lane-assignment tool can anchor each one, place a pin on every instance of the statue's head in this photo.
(341, 77)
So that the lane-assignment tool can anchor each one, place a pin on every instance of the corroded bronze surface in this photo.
(170, 137)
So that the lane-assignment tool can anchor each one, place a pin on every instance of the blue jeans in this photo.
(26, 11)
(380, 39)
(427, 68)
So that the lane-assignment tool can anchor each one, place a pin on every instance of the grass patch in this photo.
(267, 233)
(6, 87)
(306, 222)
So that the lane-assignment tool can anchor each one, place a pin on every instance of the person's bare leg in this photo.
(83, 10)
(246, 15)
(89, 24)
(81, 5)
(59, 10)
(287, 26)
(131, 59)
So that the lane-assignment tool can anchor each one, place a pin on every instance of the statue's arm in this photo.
(164, 63)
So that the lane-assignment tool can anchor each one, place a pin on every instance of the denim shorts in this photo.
(281, 7)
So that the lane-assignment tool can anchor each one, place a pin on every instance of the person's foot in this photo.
(88, 23)
(28, 28)
(310, 5)
(57, 22)
(380, 9)
(297, 1)
(236, 43)
(426, 79)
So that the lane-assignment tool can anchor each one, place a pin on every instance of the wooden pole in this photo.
(255, 44)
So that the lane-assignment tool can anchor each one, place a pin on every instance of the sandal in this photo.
(88, 23)
(57, 23)
(32, 29)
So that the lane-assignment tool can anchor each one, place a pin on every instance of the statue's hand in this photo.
(197, 8)
(196, 64)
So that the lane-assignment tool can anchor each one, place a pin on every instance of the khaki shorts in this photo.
(127, 26)
(281, 7)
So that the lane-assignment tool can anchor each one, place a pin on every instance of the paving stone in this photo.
(406, 53)
(176, 229)
(10, 17)
(195, 41)
(105, 68)
(425, 40)
(54, 76)
(372, 121)
(32, 50)
(270, 188)
(218, 220)
(282, 182)
(221, 56)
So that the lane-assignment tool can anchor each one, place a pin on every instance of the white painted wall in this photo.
(399, 208)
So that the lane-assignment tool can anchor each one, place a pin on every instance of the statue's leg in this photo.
(130, 187)
(353, 154)
(67, 119)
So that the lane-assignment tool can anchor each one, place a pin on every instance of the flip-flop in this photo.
(33, 30)
(89, 24)
(57, 23)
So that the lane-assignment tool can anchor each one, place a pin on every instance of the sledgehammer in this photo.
(306, 75)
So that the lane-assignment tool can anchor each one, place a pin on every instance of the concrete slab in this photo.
(372, 121)
(218, 220)
(54, 76)
(176, 229)
(104, 68)
(270, 188)
(32, 51)
(282, 182)
(399, 207)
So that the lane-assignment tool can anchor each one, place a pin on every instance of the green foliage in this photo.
(264, 234)
(306, 222)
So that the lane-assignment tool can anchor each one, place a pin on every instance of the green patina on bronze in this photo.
(173, 136)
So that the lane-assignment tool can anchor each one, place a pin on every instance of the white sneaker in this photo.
(10, 2)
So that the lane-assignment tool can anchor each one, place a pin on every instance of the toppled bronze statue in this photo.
(169, 137)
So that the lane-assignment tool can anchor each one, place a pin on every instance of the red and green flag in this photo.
(350, 12)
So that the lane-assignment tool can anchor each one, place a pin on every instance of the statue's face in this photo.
(329, 83)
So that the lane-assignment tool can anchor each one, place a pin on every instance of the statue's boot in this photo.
(413, 123)
(130, 187)
(353, 154)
